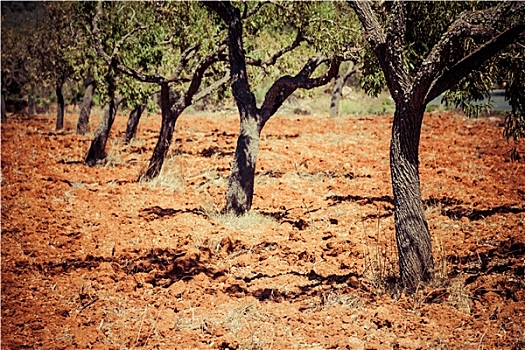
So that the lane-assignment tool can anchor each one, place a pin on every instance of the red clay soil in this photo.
(93, 259)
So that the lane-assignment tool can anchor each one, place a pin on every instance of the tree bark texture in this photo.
(440, 71)
(412, 234)
(133, 122)
(31, 101)
(97, 150)
(169, 118)
(4, 109)
(340, 82)
(241, 181)
(85, 109)
(60, 107)
(239, 195)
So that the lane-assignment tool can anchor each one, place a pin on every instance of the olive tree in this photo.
(56, 45)
(424, 49)
(159, 47)
(240, 190)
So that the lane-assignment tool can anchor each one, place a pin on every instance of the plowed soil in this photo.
(93, 259)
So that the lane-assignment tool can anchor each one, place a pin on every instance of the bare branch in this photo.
(96, 34)
(248, 13)
(185, 57)
(112, 60)
(374, 33)
(285, 86)
(480, 24)
(272, 60)
(394, 51)
(386, 46)
(214, 86)
(196, 80)
(471, 62)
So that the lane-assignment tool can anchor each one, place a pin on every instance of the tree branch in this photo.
(214, 86)
(373, 31)
(479, 24)
(272, 60)
(387, 46)
(196, 80)
(112, 60)
(395, 57)
(239, 78)
(461, 69)
(285, 86)
(122, 40)
(185, 57)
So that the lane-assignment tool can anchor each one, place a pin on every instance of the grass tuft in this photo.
(249, 220)
(170, 179)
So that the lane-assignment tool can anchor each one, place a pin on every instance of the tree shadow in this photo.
(495, 260)
(157, 212)
(459, 212)
(163, 267)
(283, 216)
(310, 290)
(505, 260)
(359, 199)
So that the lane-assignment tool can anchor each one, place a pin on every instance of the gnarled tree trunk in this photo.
(85, 108)
(97, 150)
(60, 107)
(239, 195)
(4, 109)
(412, 233)
(133, 122)
(169, 118)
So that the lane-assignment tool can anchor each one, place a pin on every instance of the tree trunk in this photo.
(31, 101)
(133, 122)
(60, 107)
(169, 118)
(97, 150)
(412, 234)
(4, 111)
(85, 108)
(241, 181)
(338, 90)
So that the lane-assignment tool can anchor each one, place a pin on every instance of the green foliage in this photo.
(16, 59)
(426, 24)
(475, 87)
(276, 25)
(372, 79)
(164, 39)
(512, 75)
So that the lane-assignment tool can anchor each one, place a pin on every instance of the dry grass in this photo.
(458, 296)
(250, 220)
(381, 267)
(171, 179)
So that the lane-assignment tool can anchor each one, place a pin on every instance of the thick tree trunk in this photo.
(133, 122)
(169, 118)
(85, 109)
(4, 110)
(412, 234)
(241, 181)
(60, 107)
